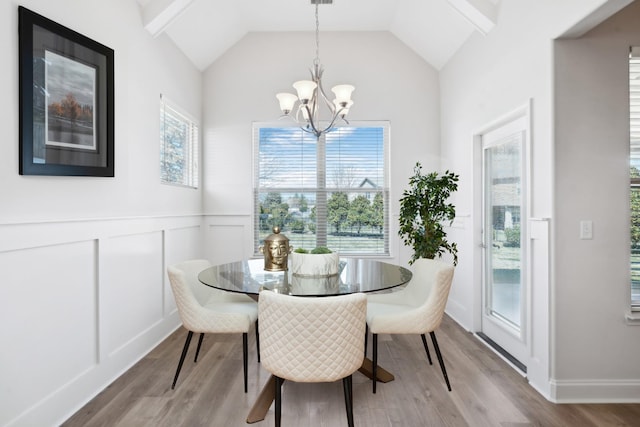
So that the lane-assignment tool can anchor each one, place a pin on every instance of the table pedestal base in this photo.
(263, 402)
(268, 393)
(383, 375)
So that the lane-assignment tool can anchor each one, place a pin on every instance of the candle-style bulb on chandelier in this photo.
(305, 107)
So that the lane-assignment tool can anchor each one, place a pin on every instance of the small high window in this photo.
(178, 146)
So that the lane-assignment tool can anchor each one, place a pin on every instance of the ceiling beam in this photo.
(157, 15)
(481, 13)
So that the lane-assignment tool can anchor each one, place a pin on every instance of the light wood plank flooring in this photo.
(486, 391)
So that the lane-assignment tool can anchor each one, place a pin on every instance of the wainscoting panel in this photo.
(48, 339)
(80, 303)
(181, 244)
(131, 291)
(229, 238)
(539, 363)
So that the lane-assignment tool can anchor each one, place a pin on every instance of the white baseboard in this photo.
(595, 391)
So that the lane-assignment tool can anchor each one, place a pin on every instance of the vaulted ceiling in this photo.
(205, 29)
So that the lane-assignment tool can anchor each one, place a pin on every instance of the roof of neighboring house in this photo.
(368, 182)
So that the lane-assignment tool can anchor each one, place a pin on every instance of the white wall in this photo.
(596, 351)
(392, 83)
(489, 77)
(84, 293)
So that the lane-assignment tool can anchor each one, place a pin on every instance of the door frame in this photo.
(478, 206)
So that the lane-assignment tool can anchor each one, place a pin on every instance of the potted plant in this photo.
(320, 261)
(423, 209)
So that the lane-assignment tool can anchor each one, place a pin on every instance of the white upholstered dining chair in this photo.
(307, 339)
(416, 309)
(206, 310)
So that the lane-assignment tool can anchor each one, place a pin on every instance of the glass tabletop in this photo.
(355, 275)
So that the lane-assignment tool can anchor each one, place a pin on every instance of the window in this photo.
(331, 192)
(178, 146)
(634, 174)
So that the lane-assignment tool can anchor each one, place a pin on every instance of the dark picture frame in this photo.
(66, 100)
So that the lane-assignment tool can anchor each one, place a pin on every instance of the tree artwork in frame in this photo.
(66, 100)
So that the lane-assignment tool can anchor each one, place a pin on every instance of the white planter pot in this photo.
(318, 265)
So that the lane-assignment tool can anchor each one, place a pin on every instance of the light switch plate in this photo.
(586, 229)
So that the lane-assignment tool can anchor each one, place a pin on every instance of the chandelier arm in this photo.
(296, 117)
(308, 125)
(333, 121)
(311, 131)
(328, 103)
(313, 112)
(311, 123)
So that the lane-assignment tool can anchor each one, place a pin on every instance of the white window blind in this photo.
(178, 146)
(634, 166)
(331, 192)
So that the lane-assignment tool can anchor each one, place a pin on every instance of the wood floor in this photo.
(485, 391)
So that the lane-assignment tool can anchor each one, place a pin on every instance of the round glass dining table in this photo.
(354, 275)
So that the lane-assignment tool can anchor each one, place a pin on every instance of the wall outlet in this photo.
(586, 229)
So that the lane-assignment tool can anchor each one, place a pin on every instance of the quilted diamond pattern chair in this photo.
(306, 339)
(207, 310)
(416, 309)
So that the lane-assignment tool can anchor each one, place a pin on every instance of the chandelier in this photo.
(311, 97)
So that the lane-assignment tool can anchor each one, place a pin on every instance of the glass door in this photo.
(504, 293)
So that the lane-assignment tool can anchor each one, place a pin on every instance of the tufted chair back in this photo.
(311, 339)
(199, 314)
(425, 299)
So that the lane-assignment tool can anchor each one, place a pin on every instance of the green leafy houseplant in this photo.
(318, 250)
(423, 209)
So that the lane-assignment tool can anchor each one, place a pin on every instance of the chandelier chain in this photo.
(317, 60)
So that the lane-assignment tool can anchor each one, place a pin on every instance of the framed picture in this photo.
(66, 100)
